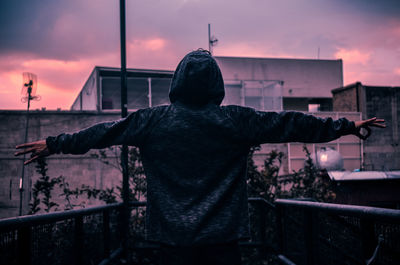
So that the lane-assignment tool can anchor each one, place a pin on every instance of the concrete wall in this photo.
(78, 169)
(381, 150)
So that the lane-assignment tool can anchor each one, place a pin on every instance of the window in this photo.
(314, 107)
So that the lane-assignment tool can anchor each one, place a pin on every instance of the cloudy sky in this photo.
(61, 41)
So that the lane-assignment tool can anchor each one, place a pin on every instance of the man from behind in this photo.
(194, 153)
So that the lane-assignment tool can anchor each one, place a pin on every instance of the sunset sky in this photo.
(61, 41)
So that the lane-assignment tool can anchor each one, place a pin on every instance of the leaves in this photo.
(308, 182)
(41, 192)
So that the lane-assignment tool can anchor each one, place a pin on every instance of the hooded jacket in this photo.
(195, 151)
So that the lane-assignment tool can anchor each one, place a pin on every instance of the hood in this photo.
(197, 80)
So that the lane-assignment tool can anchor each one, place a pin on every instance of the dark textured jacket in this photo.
(194, 153)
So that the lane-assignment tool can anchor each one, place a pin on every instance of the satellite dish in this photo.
(29, 86)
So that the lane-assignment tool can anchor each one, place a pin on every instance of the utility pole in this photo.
(29, 93)
(209, 38)
(124, 152)
(21, 181)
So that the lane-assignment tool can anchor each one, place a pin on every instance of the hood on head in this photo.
(197, 80)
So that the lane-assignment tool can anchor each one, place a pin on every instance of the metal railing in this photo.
(85, 236)
(323, 233)
(93, 236)
(289, 232)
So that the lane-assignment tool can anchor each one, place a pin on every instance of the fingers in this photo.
(25, 151)
(370, 120)
(38, 149)
(31, 160)
(380, 123)
(24, 145)
(30, 144)
(373, 122)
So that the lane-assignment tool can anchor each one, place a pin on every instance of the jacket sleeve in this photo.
(272, 127)
(131, 130)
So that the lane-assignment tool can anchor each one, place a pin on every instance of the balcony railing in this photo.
(322, 233)
(289, 232)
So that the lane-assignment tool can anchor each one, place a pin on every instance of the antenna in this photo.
(29, 86)
(212, 41)
(28, 92)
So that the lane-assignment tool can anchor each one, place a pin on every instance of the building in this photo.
(262, 83)
(368, 188)
(305, 83)
(382, 150)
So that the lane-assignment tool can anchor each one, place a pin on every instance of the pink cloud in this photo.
(353, 56)
(153, 44)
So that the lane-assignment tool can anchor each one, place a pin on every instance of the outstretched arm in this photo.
(131, 130)
(273, 127)
(98, 136)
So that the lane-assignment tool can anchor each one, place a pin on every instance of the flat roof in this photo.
(363, 175)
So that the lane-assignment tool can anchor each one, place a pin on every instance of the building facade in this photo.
(382, 150)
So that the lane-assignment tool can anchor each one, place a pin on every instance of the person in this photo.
(194, 153)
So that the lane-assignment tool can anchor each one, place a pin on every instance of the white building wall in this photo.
(301, 77)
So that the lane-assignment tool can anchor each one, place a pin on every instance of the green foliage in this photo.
(44, 186)
(264, 183)
(308, 183)
(41, 191)
(107, 195)
(69, 195)
(137, 178)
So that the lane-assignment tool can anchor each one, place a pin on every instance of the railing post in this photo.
(78, 240)
(310, 236)
(263, 236)
(368, 240)
(24, 245)
(106, 233)
(280, 227)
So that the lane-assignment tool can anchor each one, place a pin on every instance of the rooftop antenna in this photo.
(212, 41)
(28, 93)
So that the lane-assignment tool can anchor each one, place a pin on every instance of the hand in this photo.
(366, 124)
(38, 149)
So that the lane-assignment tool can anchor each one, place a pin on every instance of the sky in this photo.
(62, 41)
